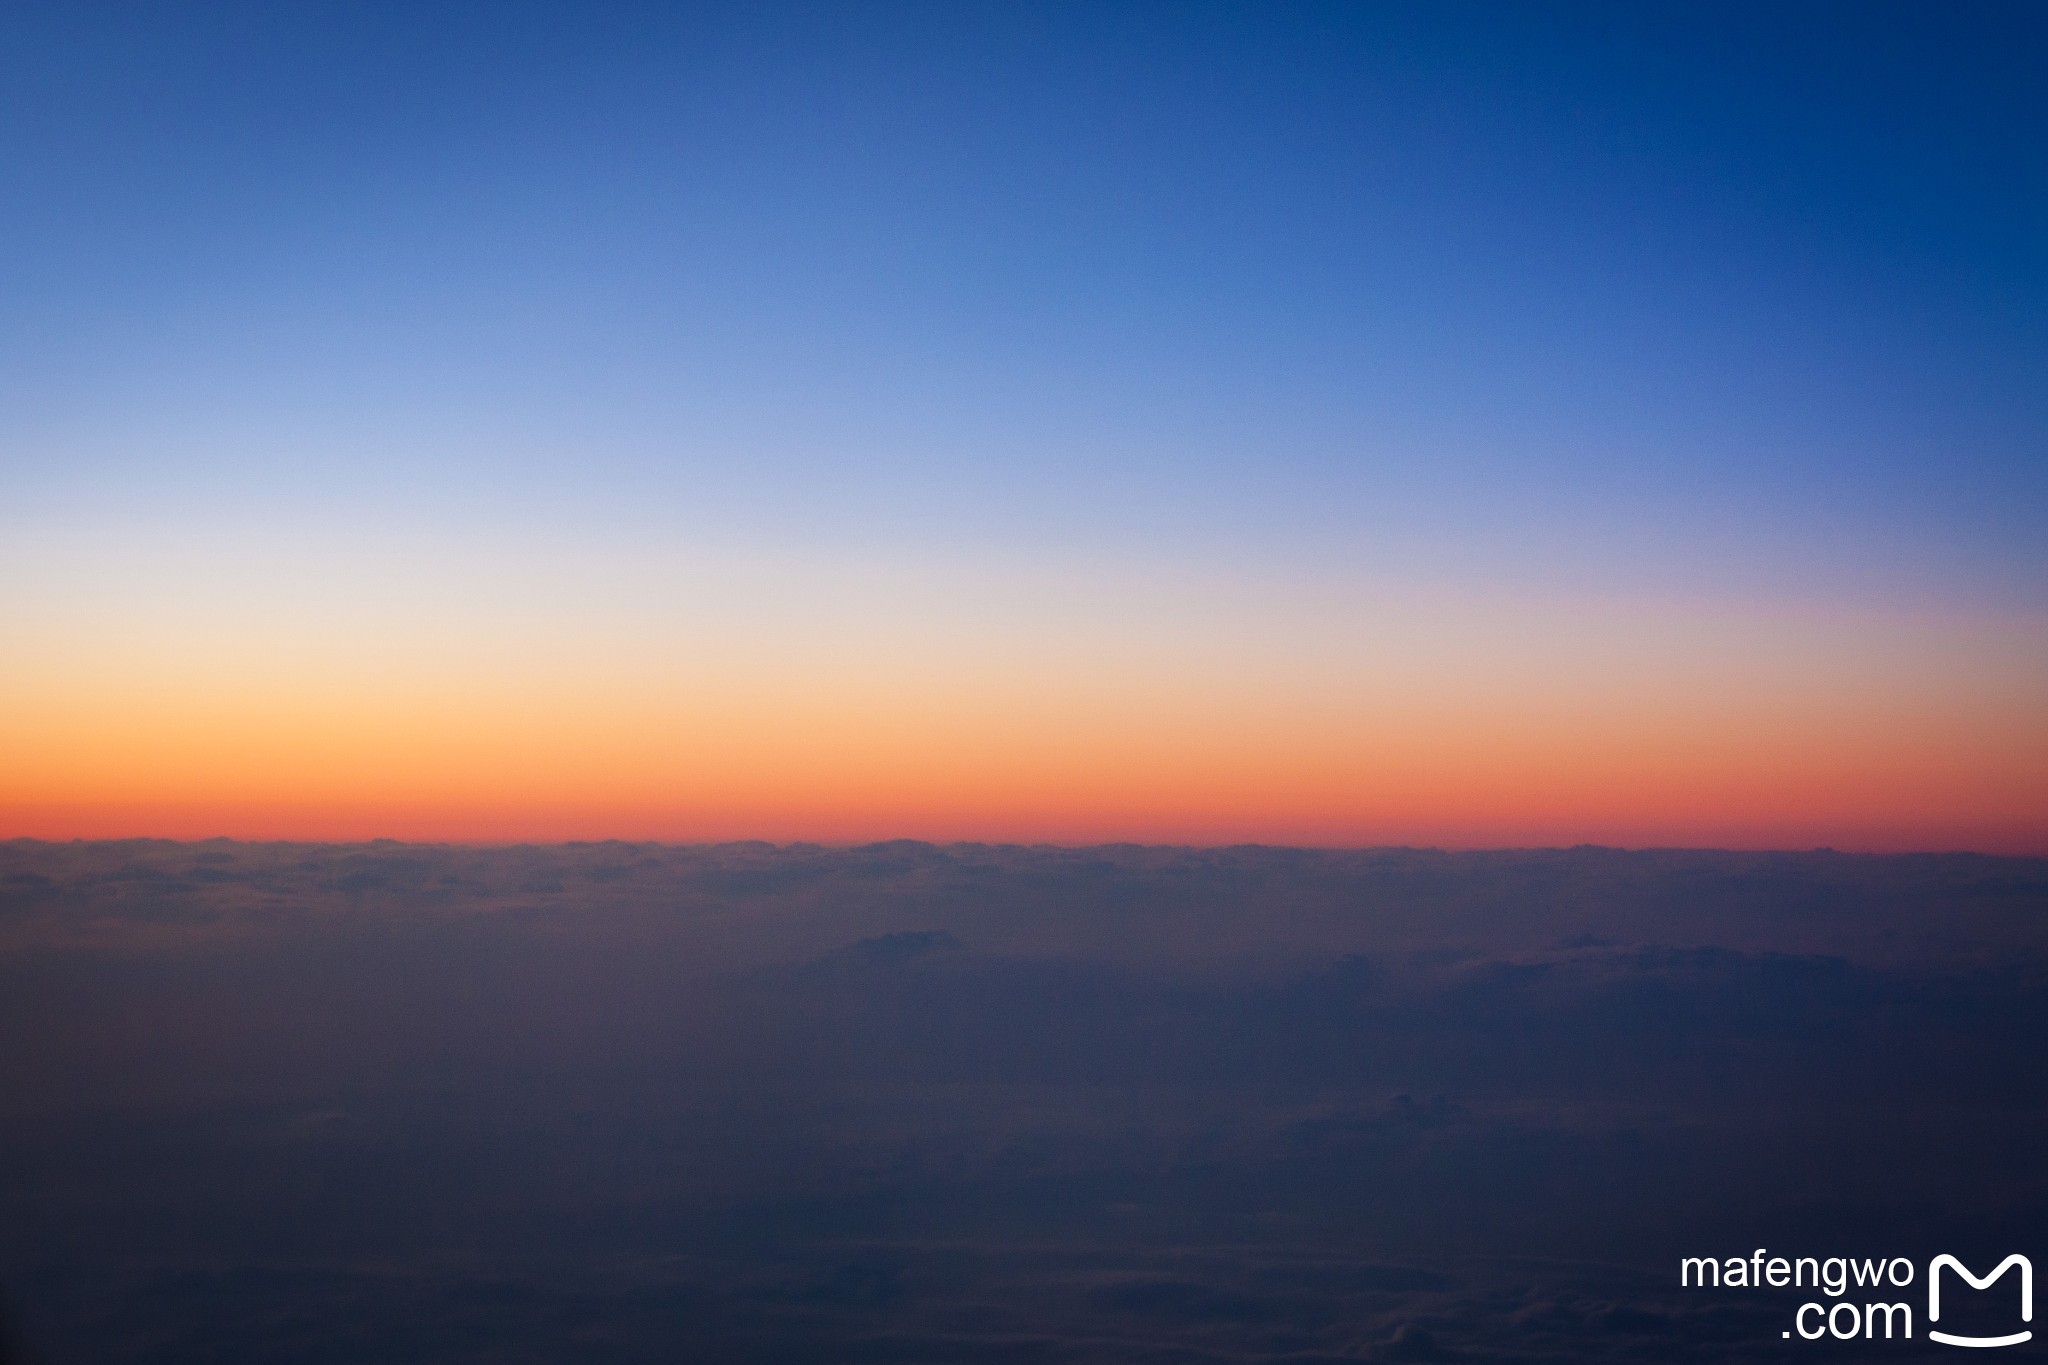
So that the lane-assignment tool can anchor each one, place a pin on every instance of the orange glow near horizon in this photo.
(1089, 712)
(1449, 775)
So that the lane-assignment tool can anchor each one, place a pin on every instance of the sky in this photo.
(1468, 425)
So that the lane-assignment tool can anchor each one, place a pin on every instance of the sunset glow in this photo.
(837, 704)
(1369, 449)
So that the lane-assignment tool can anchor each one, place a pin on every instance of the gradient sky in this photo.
(1448, 424)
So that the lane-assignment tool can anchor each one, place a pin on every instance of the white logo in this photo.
(1934, 1298)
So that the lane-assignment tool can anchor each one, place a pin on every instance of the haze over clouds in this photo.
(915, 1102)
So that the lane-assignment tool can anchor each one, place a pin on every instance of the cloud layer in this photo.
(911, 1102)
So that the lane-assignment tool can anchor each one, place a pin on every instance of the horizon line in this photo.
(1816, 850)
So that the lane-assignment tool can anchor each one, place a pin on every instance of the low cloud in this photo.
(911, 1102)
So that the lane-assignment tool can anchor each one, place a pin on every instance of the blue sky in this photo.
(1731, 299)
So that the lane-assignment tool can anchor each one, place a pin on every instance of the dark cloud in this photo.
(903, 1102)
